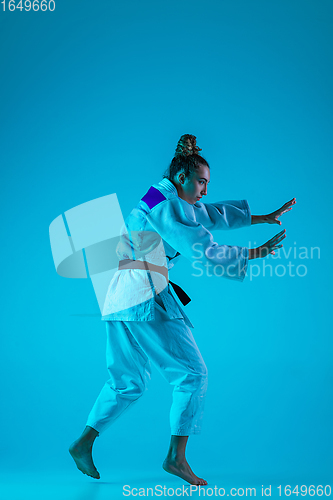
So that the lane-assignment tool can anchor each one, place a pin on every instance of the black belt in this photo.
(139, 264)
(181, 294)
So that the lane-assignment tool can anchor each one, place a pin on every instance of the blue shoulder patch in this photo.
(153, 197)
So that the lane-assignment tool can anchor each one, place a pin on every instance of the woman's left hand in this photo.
(273, 217)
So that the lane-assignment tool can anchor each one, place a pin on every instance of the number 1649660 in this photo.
(27, 5)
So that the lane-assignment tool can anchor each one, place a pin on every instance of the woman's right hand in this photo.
(269, 247)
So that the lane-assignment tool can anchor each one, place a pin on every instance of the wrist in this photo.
(253, 253)
(257, 219)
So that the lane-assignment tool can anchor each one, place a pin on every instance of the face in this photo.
(194, 188)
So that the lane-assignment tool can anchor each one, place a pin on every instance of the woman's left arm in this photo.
(230, 214)
(272, 218)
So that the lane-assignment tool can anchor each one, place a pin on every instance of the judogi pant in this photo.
(170, 346)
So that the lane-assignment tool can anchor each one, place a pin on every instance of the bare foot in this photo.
(182, 469)
(82, 455)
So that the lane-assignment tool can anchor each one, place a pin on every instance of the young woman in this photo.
(145, 322)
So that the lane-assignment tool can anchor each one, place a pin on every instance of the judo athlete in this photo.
(145, 323)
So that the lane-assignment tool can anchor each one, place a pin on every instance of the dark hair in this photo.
(186, 159)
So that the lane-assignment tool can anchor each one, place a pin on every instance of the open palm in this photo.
(273, 217)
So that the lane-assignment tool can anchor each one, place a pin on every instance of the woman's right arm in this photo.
(192, 240)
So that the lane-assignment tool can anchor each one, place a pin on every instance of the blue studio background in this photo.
(94, 97)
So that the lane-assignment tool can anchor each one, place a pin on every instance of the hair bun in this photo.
(187, 145)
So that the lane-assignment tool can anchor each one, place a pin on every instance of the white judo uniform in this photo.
(144, 321)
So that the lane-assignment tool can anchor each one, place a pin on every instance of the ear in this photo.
(181, 178)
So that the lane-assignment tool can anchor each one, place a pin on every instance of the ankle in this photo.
(174, 456)
(89, 435)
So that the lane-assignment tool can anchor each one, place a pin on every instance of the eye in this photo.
(201, 182)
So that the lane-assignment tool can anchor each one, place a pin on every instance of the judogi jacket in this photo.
(160, 229)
